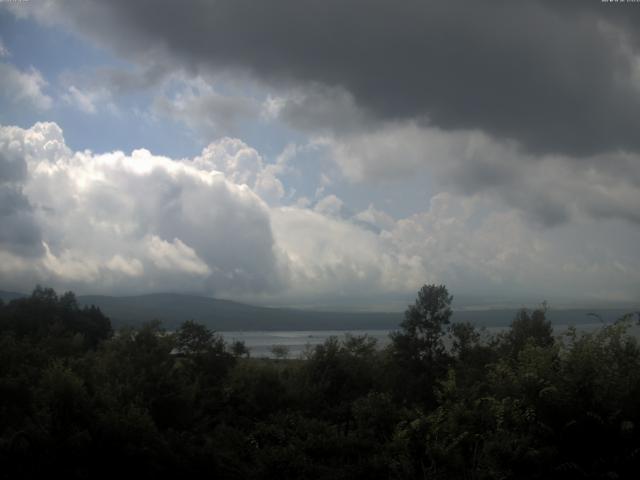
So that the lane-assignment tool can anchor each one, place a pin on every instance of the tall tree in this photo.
(418, 348)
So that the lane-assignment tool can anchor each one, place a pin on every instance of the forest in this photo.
(444, 400)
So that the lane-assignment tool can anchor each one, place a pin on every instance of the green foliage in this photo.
(424, 325)
(239, 349)
(79, 402)
(418, 349)
(280, 351)
(528, 328)
(337, 372)
(57, 320)
(195, 339)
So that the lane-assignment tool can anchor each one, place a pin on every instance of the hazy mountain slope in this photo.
(224, 315)
(8, 296)
(173, 309)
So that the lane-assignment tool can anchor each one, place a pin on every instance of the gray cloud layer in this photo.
(556, 78)
(506, 110)
(549, 190)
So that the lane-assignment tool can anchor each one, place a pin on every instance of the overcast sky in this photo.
(322, 153)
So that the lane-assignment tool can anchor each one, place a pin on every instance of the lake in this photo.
(261, 342)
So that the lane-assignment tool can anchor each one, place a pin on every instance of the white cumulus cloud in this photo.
(142, 222)
(122, 223)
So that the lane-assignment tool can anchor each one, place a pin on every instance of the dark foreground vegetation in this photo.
(80, 400)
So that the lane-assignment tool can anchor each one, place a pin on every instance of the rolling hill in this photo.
(225, 315)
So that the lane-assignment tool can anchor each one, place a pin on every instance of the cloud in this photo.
(243, 164)
(478, 123)
(176, 256)
(317, 109)
(81, 100)
(329, 205)
(328, 255)
(183, 97)
(549, 189)
(472, 244)
(535, 105)
(89, 100)
(125, 81)
(4, 51)
(139, 222)
(23, 87)
(375, 219)
(90, 88)
(203, 109)
(555, 78)
(20, 233)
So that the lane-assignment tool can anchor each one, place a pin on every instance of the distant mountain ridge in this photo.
(8, 296)
(225, 315)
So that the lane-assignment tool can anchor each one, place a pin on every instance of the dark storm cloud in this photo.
(556, 78)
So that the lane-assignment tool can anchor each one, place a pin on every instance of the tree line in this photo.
(441, 401)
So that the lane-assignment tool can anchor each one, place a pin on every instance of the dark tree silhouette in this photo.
(418, 347)
(529, 327)
(150, 403)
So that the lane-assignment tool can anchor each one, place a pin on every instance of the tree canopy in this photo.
(443, 400)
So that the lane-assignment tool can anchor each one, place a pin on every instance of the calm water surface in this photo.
(261, 342)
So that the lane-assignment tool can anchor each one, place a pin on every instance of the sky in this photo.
(322, 154)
